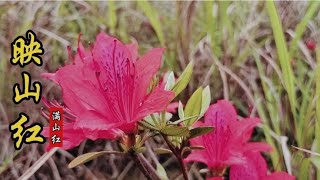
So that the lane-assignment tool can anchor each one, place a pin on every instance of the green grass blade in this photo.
(317, 96)
(283, 55)
(153, 17)
(211, 26)
(300, 28)
(112, 17)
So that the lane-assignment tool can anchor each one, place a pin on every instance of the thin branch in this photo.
(38, 164)
(178, 156)
(144, 166)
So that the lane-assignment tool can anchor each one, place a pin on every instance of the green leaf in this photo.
(112, 17)
(175, 140)
(198, 131)
(124, 147)
(175, 131)
(316, 161)
(162, 151)
(152, 15)
(88, 157)
(304, 168)
(168, 116)
(162, 172)
(170, 81)
(188, 149)
(193, 107)
(283, 56)
(196, 147)
(151, 119)
(317, 96)
(147, 125)
(206, 99)
(211, 26)
(180, 110)
(185, 119)
(139, 149)
(300, 28)
(183, 80)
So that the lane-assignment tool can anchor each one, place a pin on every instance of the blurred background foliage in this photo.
(257, 54)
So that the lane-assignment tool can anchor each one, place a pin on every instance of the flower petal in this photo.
(112, 134)
(95, 125)
(172, 107)
(156, 101)
(80, 88)
(257, 147)
(133, 48)
(219, 143)
(243, 129)
(255, 168)
(197, 156)
(116, 75)
(50, 76)
(197, 141)
(82, 55)
(71, 137)
(146, 68)
(222, 113)
(228, 142)
(215, 178)
(128, 128)
(279, 176)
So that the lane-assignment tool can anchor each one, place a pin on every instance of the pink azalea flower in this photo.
(172, 107)
(215, 178)
(73, 137)
(256, 168)
(227, 144)
(311, 45)
(106, 89)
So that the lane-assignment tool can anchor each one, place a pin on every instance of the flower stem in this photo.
(136, 160)
(144, 165)
(177, 153)
(151, 171)
(183, 167)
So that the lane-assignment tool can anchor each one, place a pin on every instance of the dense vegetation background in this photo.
(258, 55)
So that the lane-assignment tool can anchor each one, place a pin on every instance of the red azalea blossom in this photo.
(215, 178)
(172, 107)
(227, 144)
(255, 168)
(106, 90)
(311, 45)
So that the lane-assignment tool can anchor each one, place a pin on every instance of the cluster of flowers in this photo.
(229, 145)
(106, 91)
